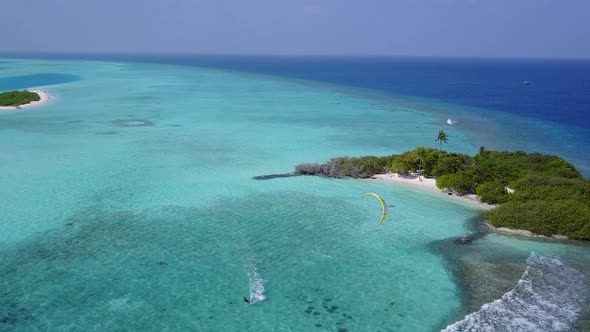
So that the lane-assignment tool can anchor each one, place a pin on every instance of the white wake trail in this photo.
(256, 283)
(255, 280)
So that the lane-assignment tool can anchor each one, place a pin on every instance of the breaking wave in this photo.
(548, 297)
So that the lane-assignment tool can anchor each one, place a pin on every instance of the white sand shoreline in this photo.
(430, 185)
(522, 233)
(44, 99)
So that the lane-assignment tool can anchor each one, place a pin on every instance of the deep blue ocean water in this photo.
(558, 90)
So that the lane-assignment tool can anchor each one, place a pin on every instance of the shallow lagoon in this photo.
(132, 206)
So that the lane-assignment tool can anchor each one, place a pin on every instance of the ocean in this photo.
(132, 203)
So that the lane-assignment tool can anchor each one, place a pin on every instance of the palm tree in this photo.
(442, 138)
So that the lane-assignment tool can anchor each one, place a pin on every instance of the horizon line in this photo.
(282, 55)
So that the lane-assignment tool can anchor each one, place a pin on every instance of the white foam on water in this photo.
(548, 297)
(255, 281)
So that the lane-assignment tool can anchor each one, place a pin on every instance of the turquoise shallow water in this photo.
(131, 206)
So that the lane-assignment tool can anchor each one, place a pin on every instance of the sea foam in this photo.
(548, 297)
(255, 281)
(256, 284)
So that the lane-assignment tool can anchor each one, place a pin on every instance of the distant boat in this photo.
(450, 122)
(526, 83)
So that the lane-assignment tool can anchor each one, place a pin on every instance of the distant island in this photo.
(19, 99)
(535, 192)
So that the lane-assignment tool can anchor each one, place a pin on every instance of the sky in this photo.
(494, 28)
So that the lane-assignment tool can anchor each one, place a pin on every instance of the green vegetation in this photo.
(550, 196)
(17, 98)
(547, 203)
(360, 167)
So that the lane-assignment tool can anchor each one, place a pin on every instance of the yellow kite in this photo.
(383, 206)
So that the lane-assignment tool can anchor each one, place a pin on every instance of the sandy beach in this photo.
(428, 184)
(45, 98)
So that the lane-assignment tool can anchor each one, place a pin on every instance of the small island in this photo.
(539, 193)
(20, 99)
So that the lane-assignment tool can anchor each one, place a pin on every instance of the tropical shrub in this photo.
(17, 98)
(493, 192)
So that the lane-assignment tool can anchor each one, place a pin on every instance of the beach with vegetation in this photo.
(429, 184)
(13, 100)
(542, 194)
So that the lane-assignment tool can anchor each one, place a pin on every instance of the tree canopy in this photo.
(17, 98)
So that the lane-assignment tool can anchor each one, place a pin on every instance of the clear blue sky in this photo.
(513, 28)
